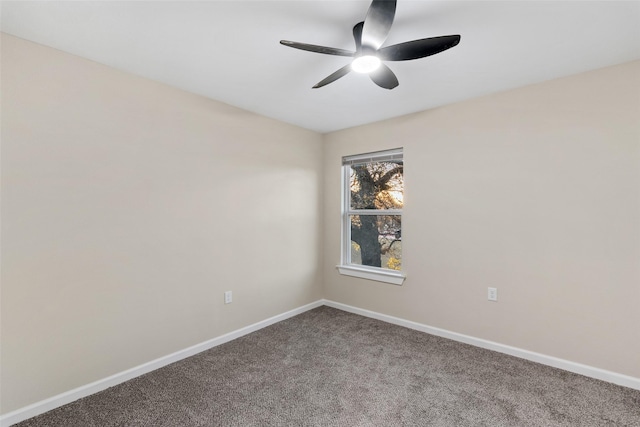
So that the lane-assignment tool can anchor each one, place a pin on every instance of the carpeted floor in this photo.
(327, 367)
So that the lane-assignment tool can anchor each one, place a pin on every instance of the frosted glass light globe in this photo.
(365, 64)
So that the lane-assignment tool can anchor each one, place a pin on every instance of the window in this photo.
(373, 190)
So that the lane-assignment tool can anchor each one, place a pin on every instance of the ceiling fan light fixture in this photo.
(370, 36)
(365, 64)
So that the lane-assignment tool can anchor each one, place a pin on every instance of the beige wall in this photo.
(535, 191)
(128, 208)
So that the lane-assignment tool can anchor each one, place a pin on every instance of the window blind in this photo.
(377, 156)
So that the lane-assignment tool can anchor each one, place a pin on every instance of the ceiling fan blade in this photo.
(384, 77)
(378, 23)
(333, 77)
(418, 48)
(357, 36)
(317, 49)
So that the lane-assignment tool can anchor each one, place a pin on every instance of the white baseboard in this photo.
(578, 368)
(96, 386)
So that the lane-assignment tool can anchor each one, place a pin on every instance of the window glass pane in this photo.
(376, 240)
(377, 185)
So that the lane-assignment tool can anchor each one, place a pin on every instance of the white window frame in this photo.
(346, 267)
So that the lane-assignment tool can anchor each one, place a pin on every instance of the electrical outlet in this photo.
(492, 294)
(228, 297)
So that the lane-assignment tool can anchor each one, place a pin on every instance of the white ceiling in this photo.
(229, 50)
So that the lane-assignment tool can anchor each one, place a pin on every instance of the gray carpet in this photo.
(327, 367)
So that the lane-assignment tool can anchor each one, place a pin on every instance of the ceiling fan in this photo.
(369, 36)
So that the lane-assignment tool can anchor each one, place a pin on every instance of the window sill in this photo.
(386, 276)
